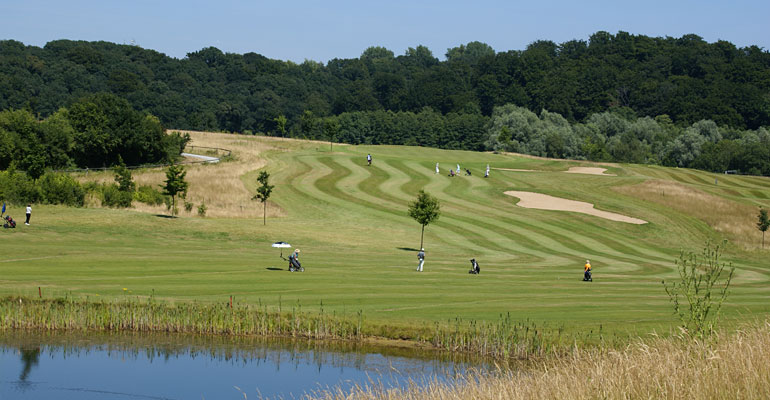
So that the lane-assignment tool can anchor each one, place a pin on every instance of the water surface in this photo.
(135, 366)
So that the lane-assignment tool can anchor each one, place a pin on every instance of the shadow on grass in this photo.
(407, 249)
(164, 216)
(274, 269)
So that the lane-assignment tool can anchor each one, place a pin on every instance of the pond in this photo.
(154, 366)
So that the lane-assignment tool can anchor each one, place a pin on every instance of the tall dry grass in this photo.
(735, 220)
(733, 366)
(218, 185)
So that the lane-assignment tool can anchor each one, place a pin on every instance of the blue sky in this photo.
(321, 30)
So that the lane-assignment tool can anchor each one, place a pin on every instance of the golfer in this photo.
(420, 259)
(486, 175)
(369, 159)
(29, 213)
(587, 270)
(437, 168)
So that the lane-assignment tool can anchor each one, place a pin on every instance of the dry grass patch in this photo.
(736, 220)
(219, 185)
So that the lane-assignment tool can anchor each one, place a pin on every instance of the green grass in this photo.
(359, 245)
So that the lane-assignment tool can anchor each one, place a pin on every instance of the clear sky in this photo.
(322, 30)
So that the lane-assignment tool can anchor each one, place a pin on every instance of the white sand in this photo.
(588, 170)
(546, 202)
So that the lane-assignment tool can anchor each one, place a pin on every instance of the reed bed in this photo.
(503, 339)
(735, 366)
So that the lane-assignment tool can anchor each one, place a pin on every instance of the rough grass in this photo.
(734, 219)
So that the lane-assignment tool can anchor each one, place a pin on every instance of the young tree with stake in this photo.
(175, 184)
(425, 209)
(263, 193)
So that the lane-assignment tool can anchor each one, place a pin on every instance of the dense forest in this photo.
(633, 98)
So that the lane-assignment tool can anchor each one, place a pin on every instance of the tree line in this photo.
(628, 98)
(97, 130)
(686, 78)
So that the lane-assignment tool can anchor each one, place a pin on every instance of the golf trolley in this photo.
(294, 266)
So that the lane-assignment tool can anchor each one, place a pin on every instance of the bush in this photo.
(202, 210)
(188, 206)
(149, 195)
(112, 196)
(18, 188)
(58, 188)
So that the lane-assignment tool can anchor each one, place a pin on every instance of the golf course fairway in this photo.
(359, 245)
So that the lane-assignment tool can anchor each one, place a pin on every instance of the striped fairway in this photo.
(359, 245)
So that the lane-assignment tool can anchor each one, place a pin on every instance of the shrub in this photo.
(202, 210)
(149, 195)
(188, 206)
(112, 196)
(59, 188)
(18, 188)
(698, 294)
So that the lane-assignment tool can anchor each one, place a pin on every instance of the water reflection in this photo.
(106, 366)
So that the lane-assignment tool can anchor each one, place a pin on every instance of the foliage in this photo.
(175, 185)
(112, 196)
(18, 188)
(425, 209)
(57, 188)
(702, 287)
(148, 195)
(264, 190)
(202, 209)
(763, 222)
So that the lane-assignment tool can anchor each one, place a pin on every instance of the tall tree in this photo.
(763, 223)
(425, 209)
(264, 190)
(175, 184)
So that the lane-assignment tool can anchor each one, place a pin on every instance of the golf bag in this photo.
(474, 267)
(9, 222)
(295, 266)
(587, 276)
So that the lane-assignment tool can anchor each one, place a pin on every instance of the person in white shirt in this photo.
(29, 213)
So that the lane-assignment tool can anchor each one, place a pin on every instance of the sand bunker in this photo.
(546, 202)
(513, 169)
(588, 170)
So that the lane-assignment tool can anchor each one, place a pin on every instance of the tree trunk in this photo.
(763, 239)
(173, 205)
(264, 213)
(421, 234)
(330, 145)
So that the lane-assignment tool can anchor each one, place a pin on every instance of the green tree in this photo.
(280, 124)
(702, 285)
(763, 223)
(126, 185)
(331, 128)
(264, 190)
(425, 209)
(175, 184)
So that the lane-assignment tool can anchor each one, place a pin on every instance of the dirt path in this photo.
(546, 202)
